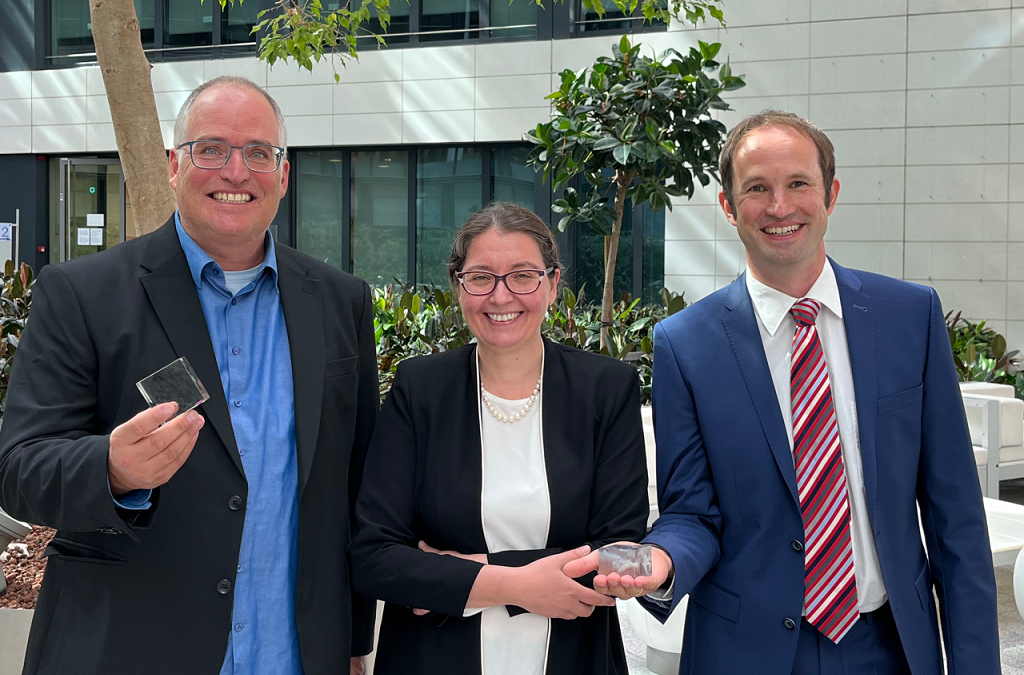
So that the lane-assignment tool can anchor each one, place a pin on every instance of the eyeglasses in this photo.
(215, 154)
(520, 282)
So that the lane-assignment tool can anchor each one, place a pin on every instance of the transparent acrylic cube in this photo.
(626, 560)
(174, 382)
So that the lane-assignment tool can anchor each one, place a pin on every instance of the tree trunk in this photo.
(126, 76)
(622, 182)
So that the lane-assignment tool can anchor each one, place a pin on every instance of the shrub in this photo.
(980, 354)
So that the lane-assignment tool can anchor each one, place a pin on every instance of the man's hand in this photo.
(623, 587)
(358, 666)
(144, 455)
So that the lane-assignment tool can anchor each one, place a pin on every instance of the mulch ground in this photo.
(23, 565)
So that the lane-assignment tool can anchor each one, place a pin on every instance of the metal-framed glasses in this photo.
(215, 154)
(520, 282)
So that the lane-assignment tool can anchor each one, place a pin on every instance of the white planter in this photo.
(14, 625)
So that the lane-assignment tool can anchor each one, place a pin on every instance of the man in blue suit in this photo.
(804, 416)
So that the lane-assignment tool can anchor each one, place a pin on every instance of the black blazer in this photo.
(423, 480)
(150, 592)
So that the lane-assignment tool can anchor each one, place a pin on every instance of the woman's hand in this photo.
(542, 588)
(624, 587)
(475, 557)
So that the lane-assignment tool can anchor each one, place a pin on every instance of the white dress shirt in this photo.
(516, 510)
(777, 328)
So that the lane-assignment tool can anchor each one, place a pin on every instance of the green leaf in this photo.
(621, 153)
(606, 143)
(624, 44)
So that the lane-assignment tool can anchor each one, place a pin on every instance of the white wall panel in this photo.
(16, 85)
(771, 78)
(251, 69)
(865, 222)
(369, 97)
(880, 258)
(310, 130)
(63, 110)
(515, 91)
(177, 76)
(956, 222)
(1016, 179)
(15, 112)
(431, 63)
(168, 103)
(934, 6)
(954, 107)
(66, 82)
(285, 74)
(957, 260)
(1014, 305)
(875, 185)
(742, 107)
(1015, 262)
(16, 140)
(964, 68)
(97, 110)
(977, 299)
(94, 82)
(869, 147)
(695, 258)
(830, 10)
(960, 30)
(368, 129)
(690, 223)
(59, 138)
(513, 58)
(838, 74)
(507, 124)
(100, 138)
(1015, 226)
(958, 145)
(766, 43)
(730, 258)
(859, 36)
(428, 95)
(761, 13)
(932, 184)
(858, 111)
(311, 99)
(438, 127)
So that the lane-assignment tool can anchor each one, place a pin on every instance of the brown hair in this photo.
(777, 118)
(505, 218)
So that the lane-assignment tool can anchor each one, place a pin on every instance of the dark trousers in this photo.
(872, 647)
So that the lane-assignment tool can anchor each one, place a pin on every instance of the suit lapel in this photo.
(745, 339)
(303, 316)
(175, 300)
(859, 319)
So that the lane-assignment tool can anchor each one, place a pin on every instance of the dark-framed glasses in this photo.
(215, 154)
(520, 282)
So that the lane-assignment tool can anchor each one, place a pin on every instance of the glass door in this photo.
(92, 206)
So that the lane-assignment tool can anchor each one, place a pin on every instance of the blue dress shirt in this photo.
(250, 341)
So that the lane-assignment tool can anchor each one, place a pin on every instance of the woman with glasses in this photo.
(491, 467)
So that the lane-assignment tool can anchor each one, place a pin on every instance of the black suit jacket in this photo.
(151, 592)
(423, 480)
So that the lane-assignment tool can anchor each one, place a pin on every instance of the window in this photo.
(188, 24)
(71, 26)
(653, 267)
(380, 216)
(448, 191)
(398, 29)
(511, 179)
(236, 22)
(320, 189)
(449, 15)
(590, 260)
(615, 21)
(518, 13)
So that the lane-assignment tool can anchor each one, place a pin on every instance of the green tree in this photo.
(634, 127)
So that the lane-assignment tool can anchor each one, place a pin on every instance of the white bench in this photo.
(996, 421)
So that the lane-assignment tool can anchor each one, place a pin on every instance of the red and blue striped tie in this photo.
(830, 588)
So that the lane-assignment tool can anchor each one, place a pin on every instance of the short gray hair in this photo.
(182, 121)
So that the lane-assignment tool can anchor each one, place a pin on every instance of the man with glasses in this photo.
(215, 540)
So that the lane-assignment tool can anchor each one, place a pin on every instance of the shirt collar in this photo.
(772, 306)
(199, 260)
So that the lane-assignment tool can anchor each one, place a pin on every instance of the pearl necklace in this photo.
(515, 417)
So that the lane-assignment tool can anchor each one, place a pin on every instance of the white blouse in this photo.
(516, 512)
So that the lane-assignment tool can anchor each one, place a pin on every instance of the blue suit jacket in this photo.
(727, 485)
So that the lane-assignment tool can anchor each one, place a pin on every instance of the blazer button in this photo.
(234, 502)
(789, 623)
(797, 546)
(224, 587)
